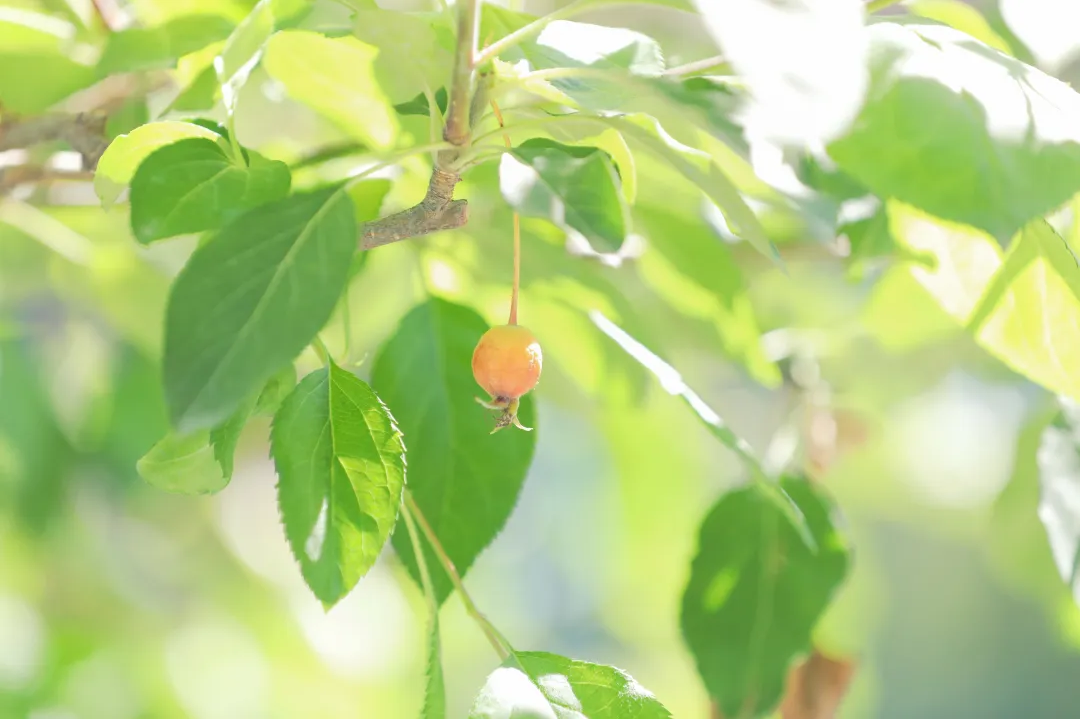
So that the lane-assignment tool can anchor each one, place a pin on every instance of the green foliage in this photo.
(576, 187)
(230, 326)
(539, 684)
(410, 59)
(465, 480)
(191, 186)
(341, 467)
(159, 47)
(757, 587)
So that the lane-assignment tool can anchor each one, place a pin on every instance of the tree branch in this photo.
(84, 131)
(439, 210)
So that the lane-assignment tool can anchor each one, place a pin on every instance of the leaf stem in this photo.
(234, 142)
(320, 349)
(537, 26)
(498, 642)
(537, 123)
(517, 227)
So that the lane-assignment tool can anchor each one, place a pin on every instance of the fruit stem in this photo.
(517, 230)
(498, 641)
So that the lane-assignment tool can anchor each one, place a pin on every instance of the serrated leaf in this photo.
(574, 187)
(410, 57)
(435, 688)
(124, 154)
(539, 685)
(962, 131)
(464, 479)
(336, 78)
(159, 47)
(803, 62)
(249, 301)
(340, 461)
(192, 185)
(673, 383)
(756, 590)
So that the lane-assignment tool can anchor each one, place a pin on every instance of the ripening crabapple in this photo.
(506, 363)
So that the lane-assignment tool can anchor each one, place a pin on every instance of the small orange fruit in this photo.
(506, 363)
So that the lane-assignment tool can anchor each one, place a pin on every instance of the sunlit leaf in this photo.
(341, 467)
(549, 686)
(962, 131)
(242, 51)
(410, 58)
(464, 478)
(191, 186)
(124, 155)
(184, 464)
(572, 186)
(54, 76)
(335, 77)
(158, 47)
(757, 587)
(804, 63)
(230, 325)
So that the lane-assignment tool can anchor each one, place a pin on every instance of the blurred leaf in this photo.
(226, 435)
(53, 77)
(542, 685)
(688, 261)
(367, 197)
(336, 78)
(201, 93)
(963, 17)
(962, 131)
(869, 238)
(34, 454)
(702, 171)
(133, 114)
(341, 465)
(614, 144)
(571, 186)
(242, 51)
(1059, 499)
(192, 185)
(275, 391)
(756, 590)
(124, 154)
(157, 48)
(184, 464)
(672, 383)
(419, 105)
(231, 325)
(410, 57)
(464, 479)
(804, 63)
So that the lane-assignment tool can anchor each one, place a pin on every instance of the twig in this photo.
(112, 17)
(11, 177)
(517, 229)
(451, 571)
(456, 130)
(84, 131)
(437, 211)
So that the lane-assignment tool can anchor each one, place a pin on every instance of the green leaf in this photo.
(53, 77)
(464, 479)
(336, 78)
(192, 185)
(251, 299)
(1021, 308)
(804, 63)
(341, 467)
(367, 196)
(542, 685)
(963, 17)
(963, 132)
(184, 464)
(756, 590)
(242, 51)
(435, 689)
(575, 187)
(702, 171)
(1058, 461)
(226, 435)
(419, 105)
(275, 391)
(159, 47)
(124, 155)
(673, 383)
(410, 57)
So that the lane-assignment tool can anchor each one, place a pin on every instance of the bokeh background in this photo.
(119, 601)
